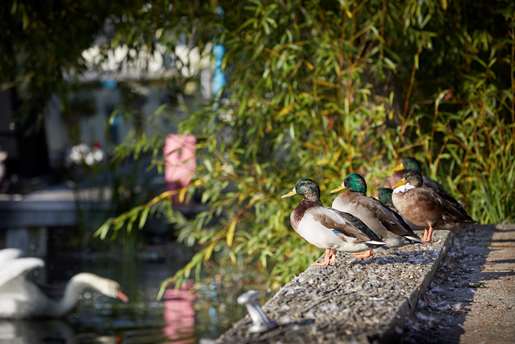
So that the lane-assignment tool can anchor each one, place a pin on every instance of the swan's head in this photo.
(104, 286)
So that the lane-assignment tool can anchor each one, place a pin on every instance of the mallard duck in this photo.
(412, 164)
(424, 207)
(382, 220)
(384, 195)
(329, 228)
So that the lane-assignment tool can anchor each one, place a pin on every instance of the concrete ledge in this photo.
(354, 301)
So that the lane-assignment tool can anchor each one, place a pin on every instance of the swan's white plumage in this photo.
(20, 298)
(15, 270)
(8, 254)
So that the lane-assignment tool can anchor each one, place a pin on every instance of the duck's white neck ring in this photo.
(403, 188)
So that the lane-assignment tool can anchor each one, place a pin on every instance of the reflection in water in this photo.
(34, 332)
(179, 314)
(185, 315)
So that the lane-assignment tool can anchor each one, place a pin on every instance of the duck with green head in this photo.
(328, 228)
(424, 207)
(384, 195)
(411, 164)
(383, 221)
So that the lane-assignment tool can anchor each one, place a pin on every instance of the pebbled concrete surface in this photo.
(472, 296)
(353, 301)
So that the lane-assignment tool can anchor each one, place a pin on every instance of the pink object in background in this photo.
(179, 314)
(179, 156)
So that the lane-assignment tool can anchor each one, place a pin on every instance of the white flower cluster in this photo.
(83, 154)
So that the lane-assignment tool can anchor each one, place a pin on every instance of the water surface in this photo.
(192, 314)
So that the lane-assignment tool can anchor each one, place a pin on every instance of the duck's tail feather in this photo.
(375, 243)
(413, 239)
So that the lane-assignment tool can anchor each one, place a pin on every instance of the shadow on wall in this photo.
(442, 310)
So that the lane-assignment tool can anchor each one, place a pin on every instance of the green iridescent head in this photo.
(414, 178)
(305, 187)
(356, 183)
(411, 164)
(385, 196)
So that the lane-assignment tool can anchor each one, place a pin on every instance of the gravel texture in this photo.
(353, 301)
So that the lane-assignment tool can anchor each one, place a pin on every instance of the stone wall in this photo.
(353, 301)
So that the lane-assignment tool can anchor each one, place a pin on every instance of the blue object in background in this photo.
(218, 82)
(115, 124)
(109, 84)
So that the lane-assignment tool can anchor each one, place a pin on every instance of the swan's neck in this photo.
(72, 293)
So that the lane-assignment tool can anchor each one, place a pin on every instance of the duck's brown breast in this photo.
(298, 212)
(416, 207)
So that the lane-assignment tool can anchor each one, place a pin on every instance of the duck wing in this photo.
(452, 211)
(451, 202)
(346, 224)
(433, 184)
(411, 234)
(392, 221)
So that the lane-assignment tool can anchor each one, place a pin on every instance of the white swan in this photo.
(20, 298)
(8, 254)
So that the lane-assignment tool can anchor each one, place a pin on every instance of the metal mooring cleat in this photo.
(260, 322)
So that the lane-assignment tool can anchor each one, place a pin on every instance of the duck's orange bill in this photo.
(401, 182)
(289, 194)
(338, 189)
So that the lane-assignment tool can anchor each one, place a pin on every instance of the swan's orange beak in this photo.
(120, 295)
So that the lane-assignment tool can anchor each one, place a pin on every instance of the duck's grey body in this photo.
(329, 228)
(379, 218)
(314, 232)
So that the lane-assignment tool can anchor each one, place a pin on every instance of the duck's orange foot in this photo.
(323, 264)
(424, 236)
(427, 238)
(329, 258)
(332, 259)
(363, 255)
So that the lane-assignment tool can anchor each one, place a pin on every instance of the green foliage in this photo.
(321, 91)
(323, 88)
